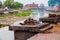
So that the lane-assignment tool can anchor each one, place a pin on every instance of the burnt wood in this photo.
(51, 20)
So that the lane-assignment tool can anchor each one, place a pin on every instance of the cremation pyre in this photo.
(30, 21)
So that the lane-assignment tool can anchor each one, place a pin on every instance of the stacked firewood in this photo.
(30, 21)
(45, 28)
(52, 15)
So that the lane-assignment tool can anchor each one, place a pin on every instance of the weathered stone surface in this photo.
(32, 28)
(23, 32)
(46, 36)
(23, 35)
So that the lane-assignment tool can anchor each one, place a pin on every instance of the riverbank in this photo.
(10, 20)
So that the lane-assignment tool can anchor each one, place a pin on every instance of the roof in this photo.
(31, 5)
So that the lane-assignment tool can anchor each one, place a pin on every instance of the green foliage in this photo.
(8, 3)
(0, 4)
(23, 13)
(26, 13)
(18, 5)
(20, 13)
(53, 2)
(12, 4)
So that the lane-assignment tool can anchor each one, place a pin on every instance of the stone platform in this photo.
(23, 32)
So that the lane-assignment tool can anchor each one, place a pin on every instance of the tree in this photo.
(18, 5)
(12, 4)
(53, 2)
(8, 3)
(0, 4)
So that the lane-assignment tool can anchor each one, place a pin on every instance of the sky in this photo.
(45, 2)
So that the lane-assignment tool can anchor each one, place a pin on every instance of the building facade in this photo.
(31, 5)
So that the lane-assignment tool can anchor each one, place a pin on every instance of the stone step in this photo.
(46, 28)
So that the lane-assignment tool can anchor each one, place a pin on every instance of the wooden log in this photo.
(52, 20)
